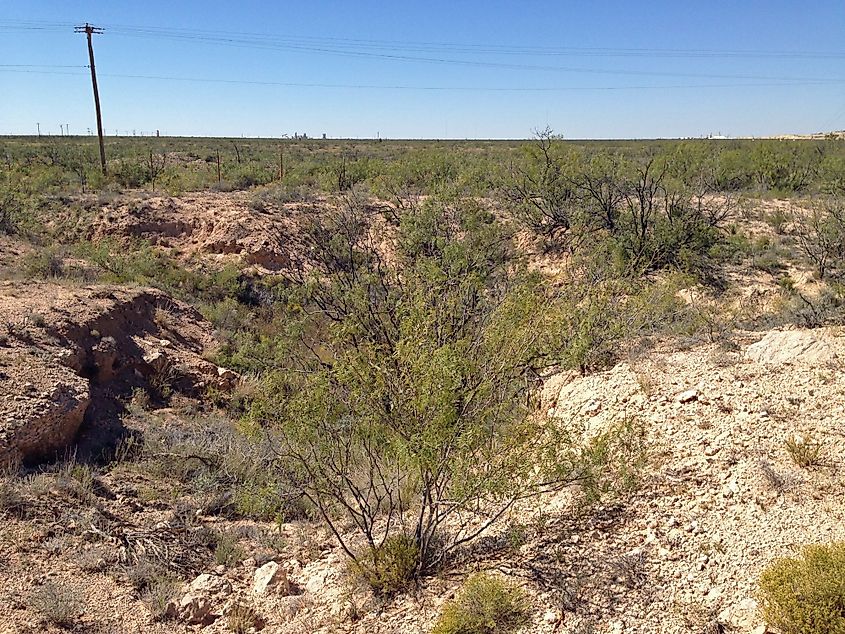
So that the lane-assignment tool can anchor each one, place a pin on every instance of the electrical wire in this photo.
(218, 35)
(20, 68)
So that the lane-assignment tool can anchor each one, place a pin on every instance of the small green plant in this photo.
(390, 567)
(485, 605)
(806, 595)
(777, 220)
(804, 451)
(57, 604)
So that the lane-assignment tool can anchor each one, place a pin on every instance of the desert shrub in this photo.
(786, 166)
(648, 214)
(406, 403)
(12, 500)
(806, 594)
(246, 176)
(261, 499)
(146, 573)
(408, 382)
(58, 604)
(234, 474)
(94, 559)
(45, 263)
(591, 321)
(543, 189)
(11, 209)
(804, 451)
(142, 264)
(129, 173)
(777, 219)
(276, 195)
(391, 566)
(157, 596)
(821, 236)
(832, 175)
(227, 550)
(485, 605)
(612, 461)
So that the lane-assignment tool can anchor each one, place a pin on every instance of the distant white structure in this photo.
(717, 137)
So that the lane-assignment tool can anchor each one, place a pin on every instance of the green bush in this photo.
(390, 567)
(44, 264)
(10, 211)
(806, 595)
(485, 605)
(228, 551)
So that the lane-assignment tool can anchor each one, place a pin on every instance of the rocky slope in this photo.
(218, 227)
(68, 351)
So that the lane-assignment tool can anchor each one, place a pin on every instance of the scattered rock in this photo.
(195, 610)
(742, 616)
(270, 577)
(210, 585)
(687, 396)
(792, 346)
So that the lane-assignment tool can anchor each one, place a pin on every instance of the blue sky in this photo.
(594, 69)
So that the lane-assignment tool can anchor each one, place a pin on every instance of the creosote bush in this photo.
(485, 605)
(648, 213)
(404, 405)
(806, 594)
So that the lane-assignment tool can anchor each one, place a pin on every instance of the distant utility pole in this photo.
(89, 31)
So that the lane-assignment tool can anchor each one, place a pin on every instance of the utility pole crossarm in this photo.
(89, 31)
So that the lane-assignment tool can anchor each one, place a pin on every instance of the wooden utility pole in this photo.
(89, 31)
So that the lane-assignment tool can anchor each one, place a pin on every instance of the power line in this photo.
(364, 49)
(268, 44)
(43, 66)
(218, 80)
(227, 36)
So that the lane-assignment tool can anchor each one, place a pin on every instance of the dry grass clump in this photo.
(57, 604)
(485, 605)
(243, 618)
(806, 594)
(12, 502)
(804, 451)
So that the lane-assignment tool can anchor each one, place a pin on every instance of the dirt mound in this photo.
(222, 226)
(68, 351)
